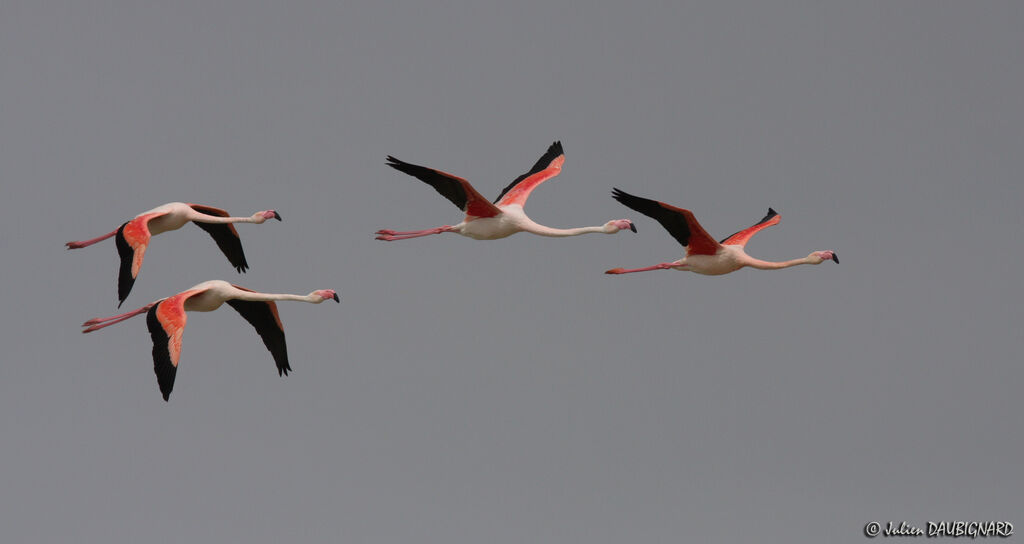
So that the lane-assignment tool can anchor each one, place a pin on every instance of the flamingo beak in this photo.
(277, 215)
(336, 298)
(835, 257)
(632, 227)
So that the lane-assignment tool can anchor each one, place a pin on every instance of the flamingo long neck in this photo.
(266, 297)
(203, 218)
(769, 265)
(542, 230)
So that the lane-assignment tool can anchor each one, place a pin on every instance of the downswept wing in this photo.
(225, 235)
(166, 321)
(547, 167)
(455, 189)
(742, 237)
(680, 223)
(264, 317)
(132, 239)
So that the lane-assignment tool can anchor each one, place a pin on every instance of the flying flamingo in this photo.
(166, 319)
(703, 254)
(486, 221)
(133, 236)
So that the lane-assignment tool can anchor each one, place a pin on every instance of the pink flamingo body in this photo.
(167, 317)
(703, 254)
(491, 221)
(133, 236)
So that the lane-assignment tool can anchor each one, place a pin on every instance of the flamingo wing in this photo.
(742, 237)
(132, 239)
(166, 321)
(264, 317)
(225, 235)
(455, 189)
(547, 167)
(680, 223)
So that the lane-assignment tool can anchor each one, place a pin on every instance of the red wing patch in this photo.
(522, 190)
(700, 243)
(136, 233)
(172, 317)
(742, 237)
(476, 204)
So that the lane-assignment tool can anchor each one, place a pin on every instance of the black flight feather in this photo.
(165, 371)
(125, 281)
(261, 316)
(673, 221)
(445, 184)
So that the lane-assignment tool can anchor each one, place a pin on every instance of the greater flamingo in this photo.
(703, 254)
(487, 221)
(133, 236)
(166, 320)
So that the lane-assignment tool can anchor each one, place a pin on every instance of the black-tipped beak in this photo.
(336, 298)
(277, 215)
(632, 227)
(835, 257)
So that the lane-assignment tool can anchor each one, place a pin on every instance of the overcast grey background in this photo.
(508, 391)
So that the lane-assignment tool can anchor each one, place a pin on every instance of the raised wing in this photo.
(225, 235)
(742, 237)
(264, 317)
(455, 189)
(166, 321)
(680, 223)
(132, 239)
(547, 167)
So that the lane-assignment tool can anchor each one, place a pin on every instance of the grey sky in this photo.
(508, 391)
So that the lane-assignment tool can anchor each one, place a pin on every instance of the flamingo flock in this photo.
(483, 220)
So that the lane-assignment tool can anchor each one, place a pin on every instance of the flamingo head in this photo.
(819, 257)
(325, 294)
(612, 227)
(266, 214)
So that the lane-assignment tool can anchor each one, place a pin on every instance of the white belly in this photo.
(490, 228)
(174, 219)
(713, 265)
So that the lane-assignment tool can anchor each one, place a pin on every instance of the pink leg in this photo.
(97, 323)
(660, 266)
(390, 235)
(87, 243)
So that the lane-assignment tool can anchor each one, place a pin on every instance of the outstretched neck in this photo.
(267, 297)
(203, 218)
(769, 265)
(542, 230)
